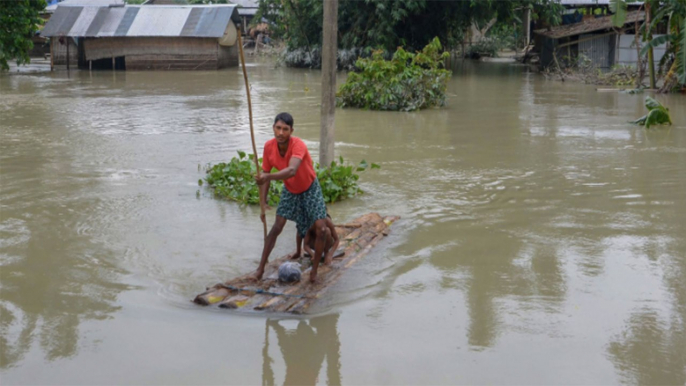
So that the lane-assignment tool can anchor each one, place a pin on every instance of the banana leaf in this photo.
(657, 117)
(652, 103)
(657, 114)
(619, 8)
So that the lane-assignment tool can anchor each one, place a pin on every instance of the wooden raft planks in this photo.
(357, 238)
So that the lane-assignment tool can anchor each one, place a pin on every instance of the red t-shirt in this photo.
(296, 148)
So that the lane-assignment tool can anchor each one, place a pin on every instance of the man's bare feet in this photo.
(313, 276)
(293, 256)
(257, 276)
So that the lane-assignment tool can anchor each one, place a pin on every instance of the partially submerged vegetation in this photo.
(407, 82)
(658, 114)
(582, 69)
(235, 180)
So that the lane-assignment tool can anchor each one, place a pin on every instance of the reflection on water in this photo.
(304, 350)
(52, 274)
(651, 350)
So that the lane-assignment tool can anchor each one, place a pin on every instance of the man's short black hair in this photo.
(286, 118)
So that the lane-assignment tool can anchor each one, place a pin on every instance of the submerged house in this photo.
(593, 38)
(174, 37)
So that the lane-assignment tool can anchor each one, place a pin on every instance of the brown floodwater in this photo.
(542, 240)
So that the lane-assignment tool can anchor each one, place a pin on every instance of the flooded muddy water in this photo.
(542, 238)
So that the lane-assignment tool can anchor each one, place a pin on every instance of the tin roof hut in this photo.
(595, 38)
(175, 37)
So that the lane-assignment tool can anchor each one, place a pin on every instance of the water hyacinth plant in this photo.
(407, 82)
(235, 180)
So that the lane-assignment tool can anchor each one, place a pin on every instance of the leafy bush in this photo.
(235, 180)
(657, 114)
(339, 181)
(407, 82)
(488, 47)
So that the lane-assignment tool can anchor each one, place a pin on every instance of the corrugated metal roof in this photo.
(111, 23)
(96, 3)
(159, 21)
(84, 21)
(247, 11)
(246, 7)
(595, 24)
(174, 20)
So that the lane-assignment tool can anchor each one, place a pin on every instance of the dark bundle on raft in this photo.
(357, 239)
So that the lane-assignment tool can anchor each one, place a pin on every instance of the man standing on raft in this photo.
(301, 199)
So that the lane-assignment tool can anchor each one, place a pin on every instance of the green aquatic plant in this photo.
(657, 114)
(407, 82)
(235, 180)
(339, 180)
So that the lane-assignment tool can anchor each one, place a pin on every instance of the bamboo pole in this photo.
(67, 39)
(252, 131)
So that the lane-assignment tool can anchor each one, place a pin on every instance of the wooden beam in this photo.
(590, 38)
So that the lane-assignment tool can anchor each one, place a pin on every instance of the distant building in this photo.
(247, 9)
(171, 37)
(595, 39)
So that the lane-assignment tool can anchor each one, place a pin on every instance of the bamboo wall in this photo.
(59, 52)
(167, 53)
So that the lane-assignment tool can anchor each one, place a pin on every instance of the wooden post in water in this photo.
(113, 65)
(252, 131)
(328, 109)
(651, 56)
(526, 23)
(67, 40)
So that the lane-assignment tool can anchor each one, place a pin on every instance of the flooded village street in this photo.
(541, 241)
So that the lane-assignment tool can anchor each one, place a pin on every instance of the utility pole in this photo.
(329, 56)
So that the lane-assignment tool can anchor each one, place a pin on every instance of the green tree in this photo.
(19, 21)
(389, 24)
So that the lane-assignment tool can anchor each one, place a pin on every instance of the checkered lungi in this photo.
(304, 208)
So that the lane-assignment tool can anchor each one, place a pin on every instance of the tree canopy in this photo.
(19, 21)
(390, 24)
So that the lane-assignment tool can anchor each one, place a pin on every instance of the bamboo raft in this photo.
(357, 238)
